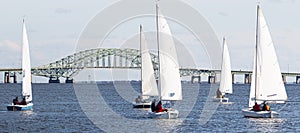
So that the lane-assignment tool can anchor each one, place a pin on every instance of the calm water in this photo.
(106, 107)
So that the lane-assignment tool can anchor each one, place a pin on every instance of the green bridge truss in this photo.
(69, 66)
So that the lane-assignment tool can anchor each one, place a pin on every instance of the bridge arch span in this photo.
(69, 66)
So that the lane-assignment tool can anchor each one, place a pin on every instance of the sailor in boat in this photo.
(15, 101)
(159, 108)
(256, 107)
(219, 94)
(139, 99)
(153, 108)
(23, 102)
(266, 106)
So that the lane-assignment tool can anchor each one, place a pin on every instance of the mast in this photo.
(157, 37)
(223, 51)
(141, 60)
(222, 59)
(256, 51)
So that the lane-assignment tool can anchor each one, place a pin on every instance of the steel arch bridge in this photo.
(112, 58)
(69, 66)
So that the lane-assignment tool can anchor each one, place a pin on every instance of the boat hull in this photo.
(170, 114)
(248, 112)
(20, 107)
(141, 105)
(222, 100)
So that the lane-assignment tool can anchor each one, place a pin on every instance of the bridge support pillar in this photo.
(15, 77)
(6, 77)
(248, 78)
(284, 79)
(212, 79)
(103, 60)
(69, 80)
(54, 80)
(199, 79)
(232, 77)
(297, 79)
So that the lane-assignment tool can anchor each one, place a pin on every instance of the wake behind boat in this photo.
(26, 83)
(267, 84)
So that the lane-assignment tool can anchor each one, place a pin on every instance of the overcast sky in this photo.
(54, 28)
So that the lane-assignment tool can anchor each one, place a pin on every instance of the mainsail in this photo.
(149, 86)
(169, 77)
(267, 84)
(26, 68)
(226, 77)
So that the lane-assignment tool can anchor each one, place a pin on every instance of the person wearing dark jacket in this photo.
(266, 107)
(153, 108)
(16, 101)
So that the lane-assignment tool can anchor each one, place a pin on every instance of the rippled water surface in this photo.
(106, 106)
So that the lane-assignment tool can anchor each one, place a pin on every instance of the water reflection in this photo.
(28, 113)
(267, 124)
(168, 125)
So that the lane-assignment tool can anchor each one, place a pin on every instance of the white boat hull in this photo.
(248, 112)
(170, 114)
(222, 100)
(19, 107)
(141, 105)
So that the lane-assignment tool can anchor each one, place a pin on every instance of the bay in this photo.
(61, 108)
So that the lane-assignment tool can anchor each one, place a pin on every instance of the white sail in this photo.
(149, 86)
(170, 83)
(26, 68)
(226, 77)
(267, 76)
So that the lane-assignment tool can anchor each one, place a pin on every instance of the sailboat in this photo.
(267, 84)
(26, 72)
(169, 76)
(226, 77)
(149, 85)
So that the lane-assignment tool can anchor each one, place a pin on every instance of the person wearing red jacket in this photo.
(256, 107)
(23, 102)
(159, 107)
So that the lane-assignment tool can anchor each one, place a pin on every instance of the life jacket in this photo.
(159, 108)
(267, 108)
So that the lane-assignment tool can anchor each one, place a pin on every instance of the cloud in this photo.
(62, 11)
(223, 14)
(10, 46)
(10, 54)
(44, 52)
(283, 1)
